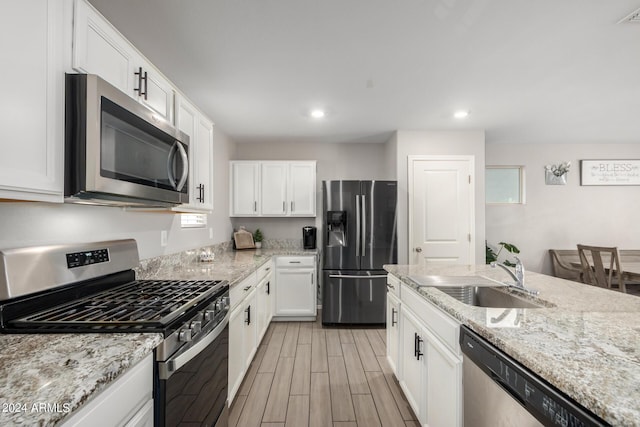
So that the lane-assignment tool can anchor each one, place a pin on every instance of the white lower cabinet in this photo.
(296, 286)
(264, 297)
(242, 332)
(413, 376)
(128, 401)
(393, 331)
(429, 361)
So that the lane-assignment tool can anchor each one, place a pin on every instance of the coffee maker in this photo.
(309, 237)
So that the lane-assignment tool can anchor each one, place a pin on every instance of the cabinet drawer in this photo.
(295, 261)
(264, 270)
(393, 285)
(440, 323)
(240, 291)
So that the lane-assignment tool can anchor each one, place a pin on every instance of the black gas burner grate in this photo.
(140, 303)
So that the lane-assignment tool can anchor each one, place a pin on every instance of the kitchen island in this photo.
(583, 340)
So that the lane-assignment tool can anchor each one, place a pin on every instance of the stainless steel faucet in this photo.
(517, 276)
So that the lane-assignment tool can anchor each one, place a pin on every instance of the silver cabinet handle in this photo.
(284, 206)
(255, 206)
(394, 321)
(418, 249)
(247, 288)
(390, 286)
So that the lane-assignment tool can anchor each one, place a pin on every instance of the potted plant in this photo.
(492, 256)
(257, 238)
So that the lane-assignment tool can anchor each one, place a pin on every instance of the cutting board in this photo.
(243, 239)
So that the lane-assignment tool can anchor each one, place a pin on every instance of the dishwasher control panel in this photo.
(549, 405)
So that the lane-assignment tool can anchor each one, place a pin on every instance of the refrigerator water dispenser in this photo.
(336, 228)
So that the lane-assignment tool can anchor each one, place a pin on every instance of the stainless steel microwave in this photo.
(118, 151)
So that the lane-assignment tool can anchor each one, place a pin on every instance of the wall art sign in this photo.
(610, 172)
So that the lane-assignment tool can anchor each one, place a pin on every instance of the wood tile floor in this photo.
(307, 375)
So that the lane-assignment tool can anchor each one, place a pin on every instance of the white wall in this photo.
(438, 143)
(334, 161)
(559, 217)
(29, 224)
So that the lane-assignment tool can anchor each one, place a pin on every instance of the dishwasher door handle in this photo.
(353, 276)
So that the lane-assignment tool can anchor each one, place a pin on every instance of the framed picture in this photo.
(609, 172)
(504, 184)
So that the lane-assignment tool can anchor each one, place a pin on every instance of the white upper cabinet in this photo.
(200, 131)
(302, 188)
(245, 180)
(98, 48)
(36, 42)
(273, 188)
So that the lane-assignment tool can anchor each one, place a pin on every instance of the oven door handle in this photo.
(167, 368)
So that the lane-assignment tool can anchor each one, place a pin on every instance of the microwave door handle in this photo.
(172, 154)
(185, 168)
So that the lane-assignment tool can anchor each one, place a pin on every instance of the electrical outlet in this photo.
(163, 238)
(211, 233)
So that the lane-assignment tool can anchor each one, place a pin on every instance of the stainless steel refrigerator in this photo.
(359, 237)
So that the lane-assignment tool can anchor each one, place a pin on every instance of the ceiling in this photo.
(547, 71)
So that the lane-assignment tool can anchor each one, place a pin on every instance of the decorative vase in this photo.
(258, 245)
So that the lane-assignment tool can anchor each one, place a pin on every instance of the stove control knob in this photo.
(209, 315)
(195, 326)
(185, 335)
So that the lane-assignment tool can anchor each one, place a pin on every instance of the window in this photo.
(504, 184)
(192, 220)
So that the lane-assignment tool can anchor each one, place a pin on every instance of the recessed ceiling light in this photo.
(317, 113)
(461, 114)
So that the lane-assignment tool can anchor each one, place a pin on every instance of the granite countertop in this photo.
(45, 377)
(230, 265)
(585, 340)
(66, 370)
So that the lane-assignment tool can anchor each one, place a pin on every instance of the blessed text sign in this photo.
(610, 172)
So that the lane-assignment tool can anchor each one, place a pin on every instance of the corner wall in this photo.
(561, 216)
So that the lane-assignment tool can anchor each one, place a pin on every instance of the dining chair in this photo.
(595, 273)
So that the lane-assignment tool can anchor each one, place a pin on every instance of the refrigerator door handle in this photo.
(358, 225)
(363, 244)
(351, 276)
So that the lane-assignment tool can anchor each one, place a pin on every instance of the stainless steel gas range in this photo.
(91, 288)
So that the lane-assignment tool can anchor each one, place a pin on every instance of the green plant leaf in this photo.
(510, 247)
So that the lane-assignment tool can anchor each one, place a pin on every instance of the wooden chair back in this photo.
(594, 271)
(562, 268)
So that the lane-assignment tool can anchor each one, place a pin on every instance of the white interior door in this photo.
(441, 210)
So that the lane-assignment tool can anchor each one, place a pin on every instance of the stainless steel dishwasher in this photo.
(498, 391)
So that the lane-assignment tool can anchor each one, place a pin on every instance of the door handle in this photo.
(352, 276)
(363, 200)
(418, 249)
(394, 321)
(358, 225)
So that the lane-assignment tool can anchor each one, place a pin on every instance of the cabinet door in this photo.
(302, 188)
(413, 362)
(236, 350)
(154, 90)
(34, 45)
(250, 331)
(244, 188)
(444, 379)
(273, 188)
(393, 331)
(295, 292)
(98, 48)
(270, 290)
(203, 185)
(261, 310)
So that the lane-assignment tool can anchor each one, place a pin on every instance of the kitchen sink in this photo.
(484, 296)
(453, 281)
